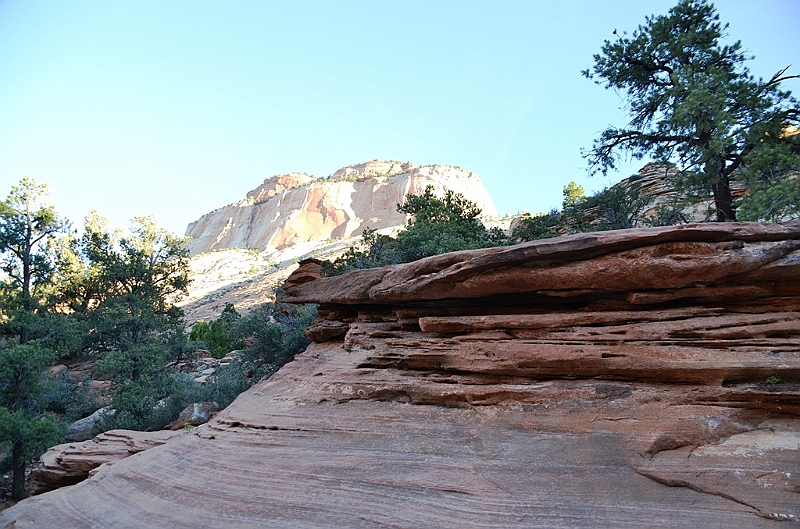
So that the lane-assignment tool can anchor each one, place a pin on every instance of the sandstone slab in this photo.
(320, 454)
(644, 378)
(71, 463)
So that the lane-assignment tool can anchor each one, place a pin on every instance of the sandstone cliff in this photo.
(296, 208)
(640, 378)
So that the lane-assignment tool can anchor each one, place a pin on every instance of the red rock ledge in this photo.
(637, 378)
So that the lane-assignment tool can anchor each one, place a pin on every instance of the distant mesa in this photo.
(294, 208)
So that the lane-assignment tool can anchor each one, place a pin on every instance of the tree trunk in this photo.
(18, 463)
(26, 278)
(26, 294)
(721, 187)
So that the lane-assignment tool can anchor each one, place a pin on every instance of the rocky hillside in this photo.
(291, 209)
(637, 378)
(324, 224)
(658, 181)
(243, 251)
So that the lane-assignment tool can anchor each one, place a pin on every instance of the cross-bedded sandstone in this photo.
(640, 378)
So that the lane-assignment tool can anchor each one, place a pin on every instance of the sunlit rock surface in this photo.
(640, 378)
(295, 208)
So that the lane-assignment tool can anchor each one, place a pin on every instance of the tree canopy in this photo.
(111, 296)
(141, 275)
(26, 228)
(692, 101)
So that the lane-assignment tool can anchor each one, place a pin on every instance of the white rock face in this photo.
(295, 208)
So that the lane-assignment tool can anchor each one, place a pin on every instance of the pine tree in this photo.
(693, 101)
(25, 229)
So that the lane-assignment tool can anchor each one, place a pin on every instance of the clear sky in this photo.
(175, 108)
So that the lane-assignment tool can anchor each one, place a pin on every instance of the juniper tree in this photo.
(23, 422)
(141, 276)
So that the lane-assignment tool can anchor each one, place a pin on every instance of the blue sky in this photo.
(175, 108)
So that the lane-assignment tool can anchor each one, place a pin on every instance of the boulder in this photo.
(100, 388)
(56, 370)
(83, 429)
(307, 270)
(195, 415)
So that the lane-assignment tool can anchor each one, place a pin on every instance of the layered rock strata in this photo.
(295, 208)
(71, 463)
(641, 378)
(703, 318)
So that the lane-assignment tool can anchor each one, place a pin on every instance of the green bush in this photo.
(276, 330)
(136, 408)
(618, 207)
(372, 251)
(70, 399)
(152, 407)
(223, 388)
(154, 397)
(771, 202)
(180, 391)
(145, 361)
(438, 225)
(535, 227)
(219, 335)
